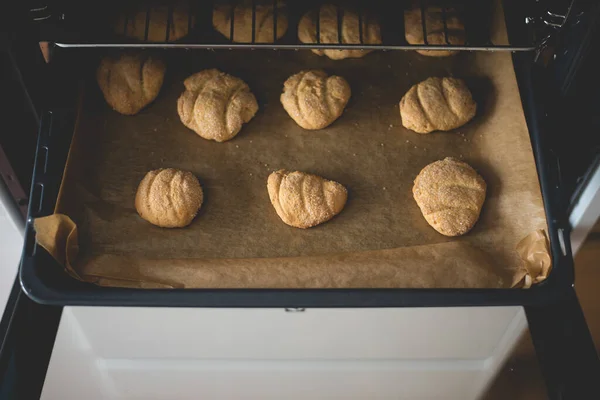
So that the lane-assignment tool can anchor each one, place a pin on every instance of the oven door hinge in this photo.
(39, 11)
(550, 17)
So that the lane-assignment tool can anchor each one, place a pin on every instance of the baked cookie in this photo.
(162, 25)
(450, 194)
(215, 104)
(131, 81)
(328, 31)
(434, 27)
(303, 200)
(264, 26)
(437, 104)
(169, 198)
(313, 99)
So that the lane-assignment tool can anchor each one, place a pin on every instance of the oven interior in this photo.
(534, 28)
(73, 24)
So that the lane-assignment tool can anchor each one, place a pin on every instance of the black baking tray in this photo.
(45, 281)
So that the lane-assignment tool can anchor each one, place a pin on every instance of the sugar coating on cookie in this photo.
(215, 105)
(169, 198)
(304, 200)
(313, 99)
(450, 194)
(437, 104)
(130, 81)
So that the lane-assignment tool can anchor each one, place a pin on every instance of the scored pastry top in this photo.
(131, 81)
(304, 200)
(313, 99)
(215, 105)
(450, 194)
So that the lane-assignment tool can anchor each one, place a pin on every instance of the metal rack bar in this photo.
(340, 20)
(344, 46)
(147, 27)
(191, 13)
(170, 21)
(126, 18)
(201, 25)
(424, 22)
(253, 21)
(393, 39)
(274, 21)
(231, 19)
(360, 26)
(318, 26)
(445, 22)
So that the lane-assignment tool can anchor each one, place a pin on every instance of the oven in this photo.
(552, 44)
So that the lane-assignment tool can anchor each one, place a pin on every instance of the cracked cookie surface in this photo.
(313, 99)
(215, 105)
(304, 200)
(130, 81)
(169, 198)
(450, 194)
(437, 104)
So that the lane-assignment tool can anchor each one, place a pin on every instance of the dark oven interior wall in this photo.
(576, 73)
(18, 133)
(23, 77)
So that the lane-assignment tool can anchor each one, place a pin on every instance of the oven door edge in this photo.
(566, 353)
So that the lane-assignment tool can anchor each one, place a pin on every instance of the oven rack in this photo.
(69, 24)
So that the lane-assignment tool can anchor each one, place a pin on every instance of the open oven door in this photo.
(559, 96)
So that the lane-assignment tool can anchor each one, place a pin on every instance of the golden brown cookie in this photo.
(242, 21)
(303, 200)
(131, 81)
(157, 19)
(328, 31)
(437, 104)
(169, 198)
(450, 194)
(313, 99)
(215, 104)
(434, 27)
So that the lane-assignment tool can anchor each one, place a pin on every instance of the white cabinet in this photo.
(11, 244)
(585, 212)
(183, 353)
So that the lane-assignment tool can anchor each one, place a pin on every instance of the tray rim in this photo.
(59, 124)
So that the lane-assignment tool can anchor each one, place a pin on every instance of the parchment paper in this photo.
(379, 240)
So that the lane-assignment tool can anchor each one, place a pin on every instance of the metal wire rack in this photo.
(159, 24)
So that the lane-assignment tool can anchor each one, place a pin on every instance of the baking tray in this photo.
(48, 284)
